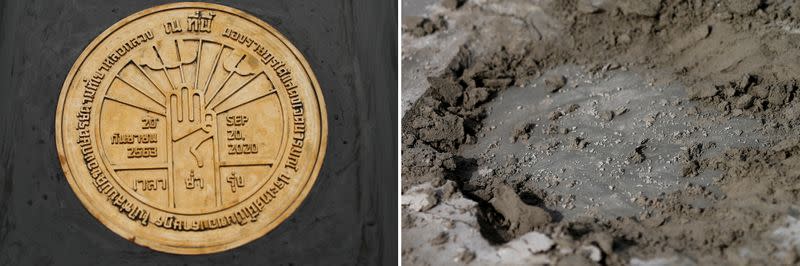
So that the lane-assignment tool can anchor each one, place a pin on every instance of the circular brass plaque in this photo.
(191, 128)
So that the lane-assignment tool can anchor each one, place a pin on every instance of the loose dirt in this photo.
(628, 131)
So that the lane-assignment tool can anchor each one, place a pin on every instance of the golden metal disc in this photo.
(191, 128)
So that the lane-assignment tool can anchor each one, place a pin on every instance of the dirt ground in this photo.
(610, 132)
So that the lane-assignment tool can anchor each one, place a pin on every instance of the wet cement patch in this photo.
(601, 178)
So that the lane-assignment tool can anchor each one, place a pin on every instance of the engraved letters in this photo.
(235, 181)
(194, 181)
(235, 135)
(201, 22)
(149, 184)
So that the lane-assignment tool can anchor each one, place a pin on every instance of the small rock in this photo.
(745, 82)
(420, 26)
(691, 169)
(591, 252)
(530, 243)
(637, 156)
(620, 111)
(555, 82)
(551, 129)
(604, 240)
(465, 256)
(744, 102)
(572, 108)
(729, 92)
(650, 119)
(624, 38)
(606, 116)
(572, 183)
(579, 143)
(420, 201)
(555, 115)
(485, 172)
(439, 239)
(724, 16)
(447, 89)
(760, 91)
(523, 131)
(724, 106)
(521, 217)
(777, 96)
(475, 96)
(430, 202)
(448, 189)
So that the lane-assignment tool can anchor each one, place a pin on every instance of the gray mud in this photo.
(605, 176)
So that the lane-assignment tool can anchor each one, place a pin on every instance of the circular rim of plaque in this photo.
(177, 223)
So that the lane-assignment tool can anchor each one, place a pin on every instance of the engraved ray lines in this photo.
(197, 67)
(159, 102)
(225, 82)
(161, 90)
(213, 69)
(141, 90)
(246, 101)
(180, 62)
(228, 99)
(164, 68)
(126, 103)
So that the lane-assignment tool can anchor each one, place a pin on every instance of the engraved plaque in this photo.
(191, 128)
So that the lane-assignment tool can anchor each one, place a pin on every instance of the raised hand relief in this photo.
(187, 115)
